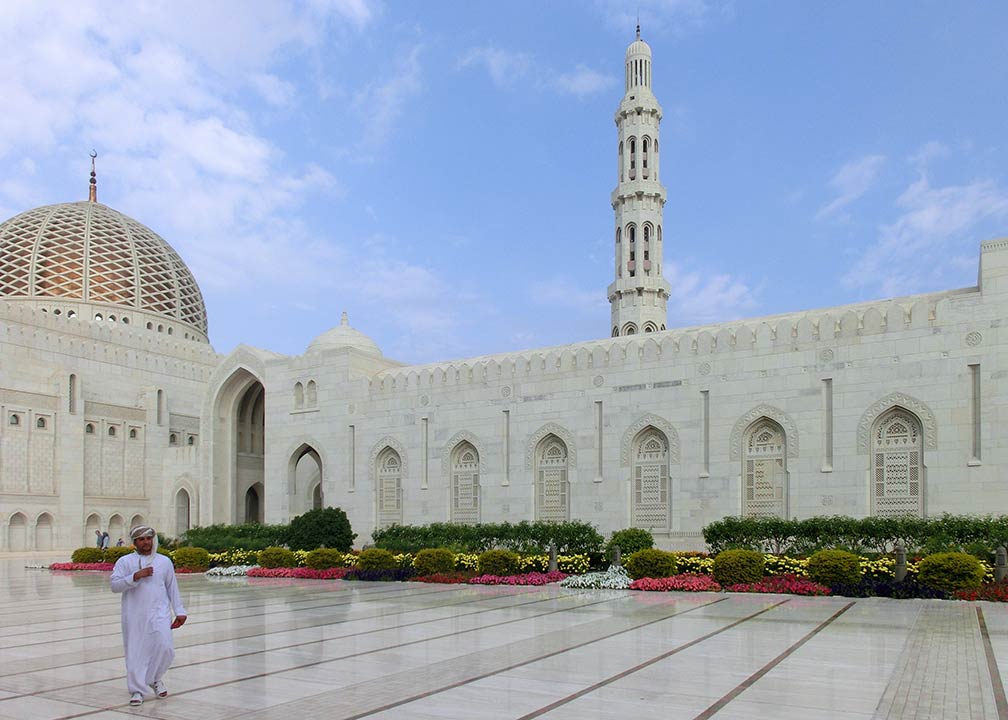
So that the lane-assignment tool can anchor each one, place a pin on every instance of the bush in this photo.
(114, 553)
(735, 567)
(434, 561)
(377, 559)
(249, 536)
(498, 562)
(834, 567)
(324, 527)
(192, 557)
(571, 538)
(629, 541)
(276, 557)
(87, 555)
(950, 571)
(651, 563)
(888, 587)
(324, 558)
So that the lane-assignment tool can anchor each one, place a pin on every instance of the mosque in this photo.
(115, 409)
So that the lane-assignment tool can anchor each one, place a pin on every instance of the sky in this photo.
(441, 171)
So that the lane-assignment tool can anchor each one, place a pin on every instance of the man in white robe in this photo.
(150, 594)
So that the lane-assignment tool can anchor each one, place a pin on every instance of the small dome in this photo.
(344, 336)
(89, 253)
(638, 47)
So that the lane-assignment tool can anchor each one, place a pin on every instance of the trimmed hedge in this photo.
(976, 534)
(651, 564)
(323, 527)
(950, 571)
(376, 559)
(571, 538)
(114, 553)
(191, 557)
(834, 567)
(498, 562)
(629, 541)
(277, 557)
(324, 558)
(248, 536)
(738, 567)
(88, 555)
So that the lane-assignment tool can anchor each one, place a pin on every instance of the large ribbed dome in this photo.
(90, 253)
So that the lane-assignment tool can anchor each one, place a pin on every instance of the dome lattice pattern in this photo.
(88, 251)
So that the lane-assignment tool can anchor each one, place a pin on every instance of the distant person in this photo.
(104, 541)
(98, 538)
(119, 542)
(150, 594)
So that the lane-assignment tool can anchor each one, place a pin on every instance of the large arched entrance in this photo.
(304, 480)
(238, 448)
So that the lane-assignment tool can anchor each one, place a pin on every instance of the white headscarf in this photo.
(139, 531)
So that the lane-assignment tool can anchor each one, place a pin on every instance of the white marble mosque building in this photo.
(114, 407)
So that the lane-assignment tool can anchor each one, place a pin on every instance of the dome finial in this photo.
(638, 23)
(93, 190)
(343, 319)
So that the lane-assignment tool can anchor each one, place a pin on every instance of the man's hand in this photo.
(146, 572)
(179, 621)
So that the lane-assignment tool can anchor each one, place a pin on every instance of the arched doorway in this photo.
(304, 480)
(93, 523)
(237, 446)
(17, 533)
(116, 529)
(253, 504)
(897, 464)
(182, 511)
(44, 532)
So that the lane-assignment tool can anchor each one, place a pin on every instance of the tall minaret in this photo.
(639, 292)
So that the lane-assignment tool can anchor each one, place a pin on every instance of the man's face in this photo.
(144, 545)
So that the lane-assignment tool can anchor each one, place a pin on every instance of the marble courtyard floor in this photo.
(300, 650)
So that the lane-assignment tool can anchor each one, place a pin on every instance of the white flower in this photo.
(615, 578)
(229, 571)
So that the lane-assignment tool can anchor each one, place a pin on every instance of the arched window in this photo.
(191, 440)
(621, 161)
(389, 472)
(172, 439)
(632, 237)
(161, 407)
(615, 332)
(181, 512)
(897, 465)
(619, 252)
(98, 316)
(552, 487)
(311, 394)
(633, 158)
(132, 434)
(89, 429)
(629, 329)
(764, 466)
(647, 249)
(465, 484)
(298, 396)
(650, 480)
(14, 419)
(40, 423)
(111, 431)
(150, 326)
(645, 147)
(72, 393)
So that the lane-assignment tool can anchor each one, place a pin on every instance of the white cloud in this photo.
(851, 182)
(697, 297)
(384, 102)
(928, 236)
(676, 17)
(274, 90)
(503, 66)
(584, 81)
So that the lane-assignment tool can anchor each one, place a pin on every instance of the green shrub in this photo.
(629, 541)
(114, 553)
(248, 536)
(651, 563)
(191, 557)
(324, 527)
(324, 558)
(276, 557)
(376, 559)
(834, 567)
(433, 561)
(87, 555)
(498, 562)
(950, 571)
(571, 538)
(732, 567)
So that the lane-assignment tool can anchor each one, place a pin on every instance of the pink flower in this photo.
(532, 578)
(685, 582)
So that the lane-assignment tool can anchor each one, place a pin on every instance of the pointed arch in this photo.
(897, 399)
(462, 436)
(301, 476)
(772, 413)
(550, 429)
(388, 468)
(649, 479)
(93, 522)
(897, 464)
(657, 422)
(552, 479)
(764, 469)
(45, 535)
(17, 532)
(465, 483)
(183, 511)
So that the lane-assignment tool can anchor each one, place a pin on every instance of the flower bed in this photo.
(994, 592)
(685, 582)
(229, 570)
(615, 578)
(103, 566)
(299, 572)
(532, 578)
(786, 584)
(456, 578)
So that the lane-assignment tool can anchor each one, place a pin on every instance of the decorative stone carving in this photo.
(462, 436)
(598, 380)
(974, 338)
(826, 355)
(910, 404)
(704, 369)
(550, 429)
(659, 423)
(769, 411)
(424, 400)
(387, 441)
(506, 391)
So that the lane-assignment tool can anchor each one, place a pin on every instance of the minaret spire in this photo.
(639, 292)
(93, 187)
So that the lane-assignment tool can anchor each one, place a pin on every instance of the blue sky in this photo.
(442, 171)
